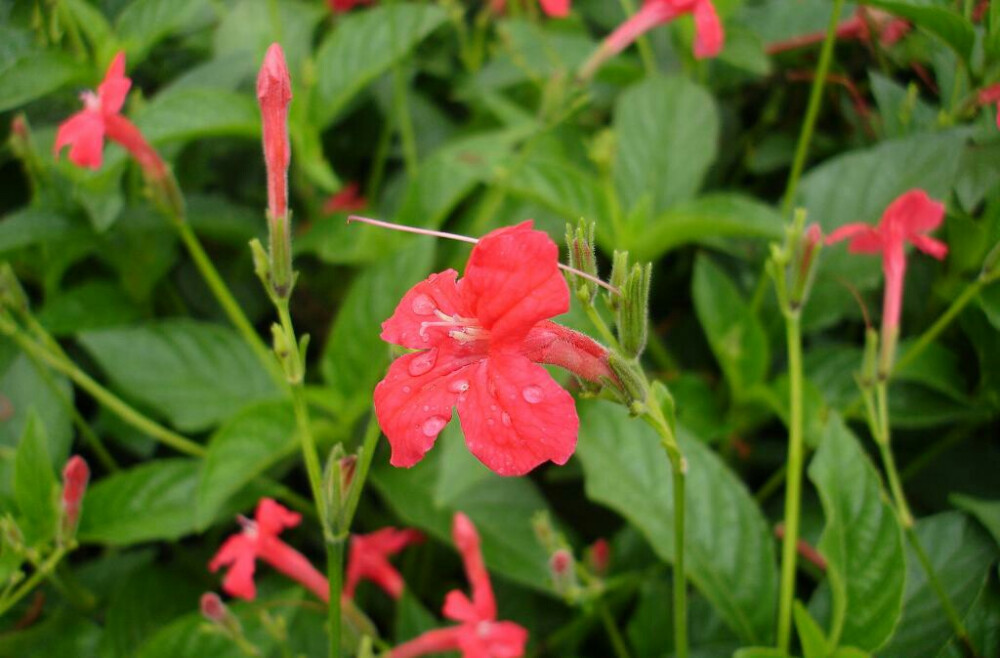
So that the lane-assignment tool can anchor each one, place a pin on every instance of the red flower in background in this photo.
(341, 6)
(554, 8)
(348, 199)
(84, 132)
(991, 96)
(887, 28)
(479, 634)
(481, 338)
(259, 539)
(905, 220)
(369, 559)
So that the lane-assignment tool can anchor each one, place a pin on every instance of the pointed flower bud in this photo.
(582, 257)
(619, 274)
(76, 474)
(633, 314)
(599, 557)
(562, 570)
(274, 93)
(212, 608)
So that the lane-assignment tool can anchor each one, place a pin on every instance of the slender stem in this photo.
(43, 570)
(771, 485)
(642, 43)
(812, 110)
(793, 490)
(601, 326)
(226, 300)
(614, 635)
(401, 107)
(335, 574)
(365, 455)
(945, 319)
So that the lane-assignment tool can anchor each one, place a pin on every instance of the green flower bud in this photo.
(633, 312)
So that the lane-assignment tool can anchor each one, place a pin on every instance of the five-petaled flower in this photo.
(479, 634)
(554, 8)
(480, 340)
(708, 40)
(906, 219)
(84, 132)
(259, 539)
(369, 559)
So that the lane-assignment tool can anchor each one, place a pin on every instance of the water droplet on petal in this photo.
(422, 362)
(406, 389)
(491, 422)
(458, 386)
(505, 417)
(433, 425)
(533, 394)
(423, 305)
(493, 407)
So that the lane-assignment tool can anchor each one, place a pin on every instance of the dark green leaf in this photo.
(943, 22)
(196, 374)
(92, 305)
(730, 551)
(187, 114)
(35, 484)
(36, 74)
(814, 644)
(31, 226)
(862, 543)
(143, 23)
(986, 512)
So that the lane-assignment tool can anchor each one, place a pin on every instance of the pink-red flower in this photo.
(480, 339)
(991, 96)
(906, 219)
(84, 132)
(479, 634)
(709, 35)
(887, 28)
(369, 559)
(348, 199)
(341, 6)
(554, 8)
(259, 539)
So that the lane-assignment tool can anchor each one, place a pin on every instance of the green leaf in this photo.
(35, 484)
(730, 551)
(986, 512)
(364, 45)
(194, 373)
(734, 333)
(500, 507)
(950, 26)
(92, 305)
(862, 543)
(31, 226)
(961, 554)
(187, 114)
(143, 23)
(248, 28)
(667, 129)
(760, 652)
(814, 644)
(355, 357)
(36, 74)
(239, 451)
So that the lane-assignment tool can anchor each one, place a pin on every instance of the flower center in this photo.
(91, 101)
(466, 330)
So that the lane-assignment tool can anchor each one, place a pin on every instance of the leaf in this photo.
(143, 23)
(36, 74)
(814, 644)
(760, 652)
(862, 543)
(355, 356)
(364, 45)
(986, 512)
(666, 129)
(187, 114)
(248, 28)
(95, 304)
(961, 554)
(31, 226)
(730, 551)
(196, 374)
(500, 507)
(734, 333)
(35, 484)
(243, 448)
(949, 26)
(27, 390)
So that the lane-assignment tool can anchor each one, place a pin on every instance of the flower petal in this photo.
(506, 639)
(930, 246)
(272, 517)
(467, 542)
(556, 8)
(864, 238)
(414, 401)
(409, 324)
(437, 640)
(709, 35)
(914, 212)
(513, 281)
(239, 554)
(458, 607)
(114, 89)
(516, 416)
(84, 134)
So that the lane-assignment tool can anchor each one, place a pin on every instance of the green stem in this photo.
(793, 490)
(601, 326)
(772, 484)
(335, 574)
(226, 300)
(614, 635)
(932, 332)
(365, 455)
(812, 110)
(401, 109)
(40, 573)
(642, 43)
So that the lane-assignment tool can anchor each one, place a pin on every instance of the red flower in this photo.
(259, 539)
(274, 93)
(554, 8)
(905, 220)
(991, 95)
(478, 337)
(346, 200)
(709, 34)
(479, 635)
(84, 131)
(888, 29)
(341, 6)
(369, 559)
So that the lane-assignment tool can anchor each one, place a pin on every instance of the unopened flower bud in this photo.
(582, 257)
(562, 569)
(274, 93)
(20, 136)
(631, 381)
(633, 313)
(338, 476)
(599, 557)
(76, 474)
(11, 537)
(541, 523)
(212, 608)
(619, 275)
